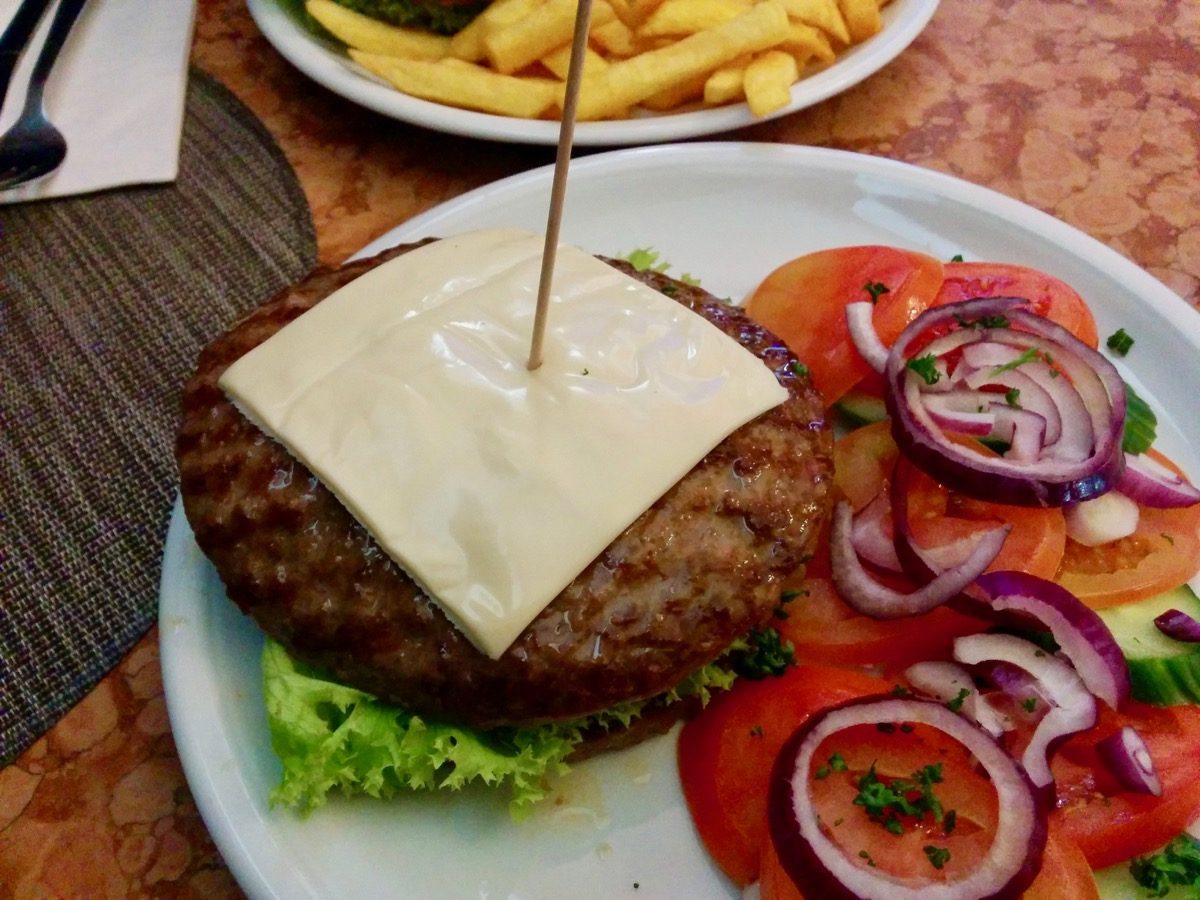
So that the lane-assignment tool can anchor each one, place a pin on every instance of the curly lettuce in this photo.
(330, 737)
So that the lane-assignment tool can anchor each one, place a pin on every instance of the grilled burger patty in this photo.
(701, 567)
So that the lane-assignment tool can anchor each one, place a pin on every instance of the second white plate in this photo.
(903, 20)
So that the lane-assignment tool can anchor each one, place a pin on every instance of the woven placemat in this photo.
(105, 302)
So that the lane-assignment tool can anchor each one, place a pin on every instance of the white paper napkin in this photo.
(116, 93)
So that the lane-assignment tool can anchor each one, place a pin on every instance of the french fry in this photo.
(768, 80)
(689, 16)
(725, 85)
(560, 60)
(614, 38)
(631, 81)
(458, 83)
(364, 33)
(513, 47)
(823, 14)
(862, 18)
(805, 42)
(467, 44)
(677, 94)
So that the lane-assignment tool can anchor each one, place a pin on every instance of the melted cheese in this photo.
(406, 393)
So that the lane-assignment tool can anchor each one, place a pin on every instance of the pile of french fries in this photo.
(656, 55)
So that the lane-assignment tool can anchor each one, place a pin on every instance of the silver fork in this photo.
(33, 147)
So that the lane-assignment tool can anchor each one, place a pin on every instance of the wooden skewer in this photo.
(558, 189)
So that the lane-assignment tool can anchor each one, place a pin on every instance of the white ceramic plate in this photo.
(328, 65)
(727, 213)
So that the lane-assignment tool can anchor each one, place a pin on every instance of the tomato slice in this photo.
(1048, 297)
(1065, 872)
(863, 462)
(1110, 824)
(823, 629)
(804, 303)
(1162, 554)
(726, 755)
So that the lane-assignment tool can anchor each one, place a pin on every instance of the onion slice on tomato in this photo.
(1081, 634)
(812, 858)
(1074, 707)
(1102, 520)
(946, 681)
(1085, 461)
(1128, 758)
(867, 596)
(1155, 486)
(863, 334)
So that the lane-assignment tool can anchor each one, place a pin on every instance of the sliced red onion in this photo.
(1080, 633)
(812, 859)
(1020, 687)
(1044, 400)
(1055, 479)
(1154, 485)
(869, 597)
(946, 681)
(962, 412)
(923, 564)
(1102, 520)
(1176, 624)
(1074, 708)
(863, 334)
(872, 534)
(1128, 758)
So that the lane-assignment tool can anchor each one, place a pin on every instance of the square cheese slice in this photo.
(406, 392)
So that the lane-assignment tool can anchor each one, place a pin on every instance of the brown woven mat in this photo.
(105, 302)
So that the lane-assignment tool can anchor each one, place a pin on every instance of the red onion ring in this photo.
(1074, 706)
(1155, 486)
(863, 334)
(813, 860)
(869, 597)
(1128, 758)
(871, 534)
(1080, 633)
(946, 681)
(1055, 479)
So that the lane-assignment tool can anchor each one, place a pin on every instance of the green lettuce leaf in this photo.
(331, 737)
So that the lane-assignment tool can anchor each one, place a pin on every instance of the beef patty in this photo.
(701, 567)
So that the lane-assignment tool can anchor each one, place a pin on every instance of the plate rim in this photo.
(903, 23)
(178, 648)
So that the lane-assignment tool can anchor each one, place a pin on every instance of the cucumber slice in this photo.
(858, 409)
(1164, 671)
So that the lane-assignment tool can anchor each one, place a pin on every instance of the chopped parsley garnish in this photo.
(1029, 704)
(799, 369)
(1141, 424)
(863, 854)
(1119, 342)
(886, 802)
(836, 763)
(1031, 355)
(756, 731)
(899, 690)
(938, 856)
(763, 653)
(957, 257)
(996, 321)
(926, 367)
(956, 704)
(1178, 864)
(1013, 397)
(950, 821)
(876, 289)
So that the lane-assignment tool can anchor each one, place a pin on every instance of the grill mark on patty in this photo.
(703, 565)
